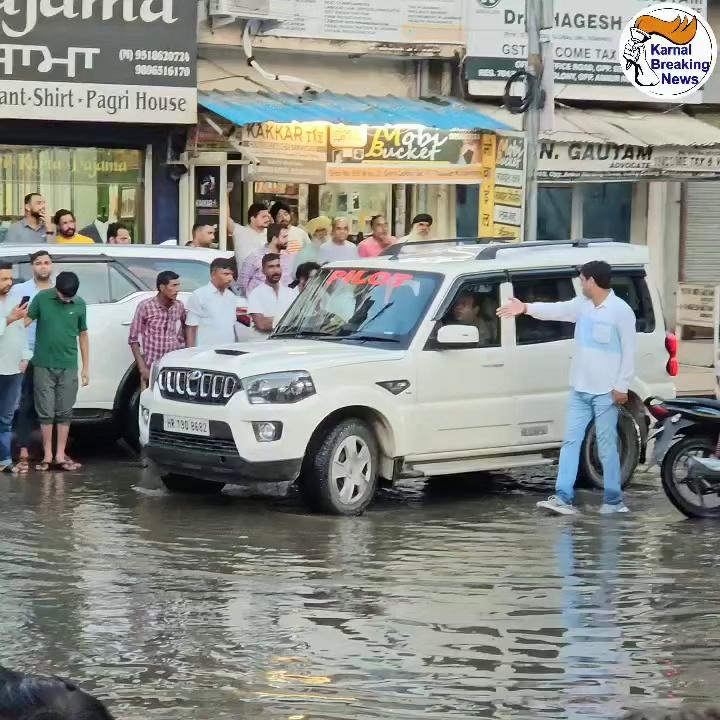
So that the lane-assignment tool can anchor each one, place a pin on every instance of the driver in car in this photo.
(467, 310)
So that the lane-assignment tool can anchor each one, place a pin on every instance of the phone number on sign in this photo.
(166, 70)
(162, 56)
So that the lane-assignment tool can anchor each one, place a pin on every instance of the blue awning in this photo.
(243, 108)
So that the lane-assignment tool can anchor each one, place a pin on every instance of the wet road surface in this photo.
(441, 602)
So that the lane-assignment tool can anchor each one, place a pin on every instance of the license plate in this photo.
(188, 426)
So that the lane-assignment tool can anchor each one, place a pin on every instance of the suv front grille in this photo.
(205, 387)
(213, 445)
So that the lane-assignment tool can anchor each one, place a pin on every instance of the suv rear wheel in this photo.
(590, 474)
(340, 473)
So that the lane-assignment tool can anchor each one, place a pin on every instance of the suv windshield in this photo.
(361, 305)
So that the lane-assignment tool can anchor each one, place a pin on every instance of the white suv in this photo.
(395, 366)
(114, 280)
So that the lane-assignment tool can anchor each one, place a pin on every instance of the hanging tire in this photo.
(191, 486)
(340, 475)
(590, 474)
(673, 477)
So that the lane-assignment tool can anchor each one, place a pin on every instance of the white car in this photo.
(372, 375)
(114, 280)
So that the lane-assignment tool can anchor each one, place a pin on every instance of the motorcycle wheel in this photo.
(674, 471)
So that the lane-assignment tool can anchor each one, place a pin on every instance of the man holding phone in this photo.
(14, 356)
(26, 419)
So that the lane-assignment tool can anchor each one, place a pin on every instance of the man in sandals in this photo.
(61, 322)
(14, 356)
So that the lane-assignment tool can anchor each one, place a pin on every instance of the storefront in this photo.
(339, 156)
(88, 117)
(607, 173)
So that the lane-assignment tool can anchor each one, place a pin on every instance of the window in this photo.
(120, 286)
(542, 289)
(193, 273)
(476, 303)
(634, 291)
(606, 210)
(360, 305)
(94, 280)
(97, 183)
(554, 213)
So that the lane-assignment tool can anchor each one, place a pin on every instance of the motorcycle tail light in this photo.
(659, 412)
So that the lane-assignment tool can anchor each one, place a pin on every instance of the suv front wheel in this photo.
(629, 446)
(340, 472)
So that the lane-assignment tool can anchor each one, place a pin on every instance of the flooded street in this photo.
(460, 602)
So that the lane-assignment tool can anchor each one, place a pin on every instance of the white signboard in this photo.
(566, 162)
(585, 39)
(696, 305)
(402, 21)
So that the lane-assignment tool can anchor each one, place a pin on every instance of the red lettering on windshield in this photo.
(336, 275)
(379, 278)
(361, 277)
(399, 279)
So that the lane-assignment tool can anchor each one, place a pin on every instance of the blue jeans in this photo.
(581, 409)
(10, 386)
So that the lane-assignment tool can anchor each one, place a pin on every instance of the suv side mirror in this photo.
(458, 336)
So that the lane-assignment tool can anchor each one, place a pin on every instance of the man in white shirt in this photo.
(211, 309)
(247, 239)
(26, 419)
(603, 367)
(297, 237)
(270, 301)
(338, 247)
(14, 356)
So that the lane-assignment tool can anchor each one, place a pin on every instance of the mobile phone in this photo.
(25, 300)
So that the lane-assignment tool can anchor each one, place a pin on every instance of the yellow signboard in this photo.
(487, 187)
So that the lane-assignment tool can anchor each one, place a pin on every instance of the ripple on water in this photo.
(454, 601)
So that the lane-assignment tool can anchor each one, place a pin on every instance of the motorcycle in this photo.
(686, 434)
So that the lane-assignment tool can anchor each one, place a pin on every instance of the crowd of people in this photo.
(44, 345)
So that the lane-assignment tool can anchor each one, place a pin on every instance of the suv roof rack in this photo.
(490, 252)
(397, 249)
(490, 246)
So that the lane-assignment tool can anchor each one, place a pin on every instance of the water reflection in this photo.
(459, 604)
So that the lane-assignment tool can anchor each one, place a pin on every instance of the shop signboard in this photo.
(404, 155)
(402, 21)
(287, 152)
(502, 193)
(132, 61)
(696, 305)
(85, 165)
(570, 162)
(586, 39)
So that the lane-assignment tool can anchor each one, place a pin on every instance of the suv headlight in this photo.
(154, 374)
(279, 388)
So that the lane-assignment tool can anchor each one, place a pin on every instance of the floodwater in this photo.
(441, 602)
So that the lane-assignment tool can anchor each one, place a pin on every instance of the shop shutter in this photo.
(702, 233)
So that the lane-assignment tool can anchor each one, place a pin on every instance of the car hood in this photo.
(265, 356)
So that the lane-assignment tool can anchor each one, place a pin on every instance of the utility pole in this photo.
(539, 16)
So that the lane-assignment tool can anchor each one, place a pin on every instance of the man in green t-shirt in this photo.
(61, 320)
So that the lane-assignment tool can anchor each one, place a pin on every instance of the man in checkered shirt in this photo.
(159, 325)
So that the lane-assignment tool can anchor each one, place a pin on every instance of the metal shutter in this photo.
(702, 233)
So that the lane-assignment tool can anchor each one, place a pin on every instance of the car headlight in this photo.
(279, 388)
(154, 374)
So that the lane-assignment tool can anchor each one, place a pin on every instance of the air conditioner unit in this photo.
(229, 10)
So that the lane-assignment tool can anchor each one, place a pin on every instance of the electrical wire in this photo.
(251, 27)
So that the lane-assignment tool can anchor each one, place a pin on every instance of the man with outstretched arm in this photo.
(603, 367)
